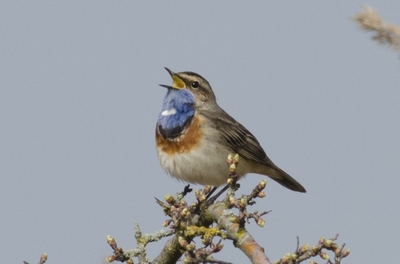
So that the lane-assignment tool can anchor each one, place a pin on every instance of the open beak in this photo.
(178, 82)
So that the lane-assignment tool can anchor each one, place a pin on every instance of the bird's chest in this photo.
(189, 140)
(190, 156)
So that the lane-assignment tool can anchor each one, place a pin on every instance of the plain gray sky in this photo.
(79, 98)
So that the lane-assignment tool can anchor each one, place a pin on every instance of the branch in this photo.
(170, 253)
(206, 220)
(306, 252)
(242, 239)
(140, 251)
(385, 33)
(42, 260)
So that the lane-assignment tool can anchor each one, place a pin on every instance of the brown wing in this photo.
(238, 137)
(246, 145)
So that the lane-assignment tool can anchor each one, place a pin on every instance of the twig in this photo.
(385, 33)
(42, 260)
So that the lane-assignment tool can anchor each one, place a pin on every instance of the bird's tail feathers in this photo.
(284, 179)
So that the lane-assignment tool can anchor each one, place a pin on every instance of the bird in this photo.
(194, 136)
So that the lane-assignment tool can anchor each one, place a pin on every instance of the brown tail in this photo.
(284, 179)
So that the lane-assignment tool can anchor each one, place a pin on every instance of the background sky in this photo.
(79, 98)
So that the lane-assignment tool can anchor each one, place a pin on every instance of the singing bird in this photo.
(194, 136)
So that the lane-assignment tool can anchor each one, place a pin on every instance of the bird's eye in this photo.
(195, 84)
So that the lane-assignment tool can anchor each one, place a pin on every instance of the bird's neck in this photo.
(176, 114)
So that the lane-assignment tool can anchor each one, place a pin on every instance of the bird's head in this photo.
(194, 84)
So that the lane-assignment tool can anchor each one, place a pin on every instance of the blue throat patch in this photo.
(176, 113)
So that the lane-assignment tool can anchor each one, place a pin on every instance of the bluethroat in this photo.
(194, 136)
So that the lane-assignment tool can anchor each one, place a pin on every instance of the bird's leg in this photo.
(212, 199)
(232, 161)
(211, 192)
